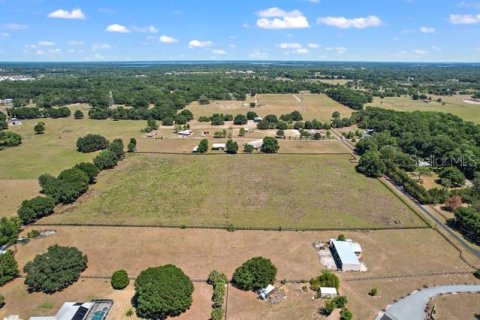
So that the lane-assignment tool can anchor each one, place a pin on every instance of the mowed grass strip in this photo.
(248, 191)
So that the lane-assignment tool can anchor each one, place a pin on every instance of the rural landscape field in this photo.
(211, 160)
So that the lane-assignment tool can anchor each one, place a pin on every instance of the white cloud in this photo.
(101, 46)
(199, 44)
(75, 14)
(167, 39)
(219, 52)
(313, 45)
(76, 43)
(301, 51)
(464, 19)
(149, 29)
(257, 54)
(117, 28)
(467, 4)
(420, 52)
(435, 48)
(338, 50)
(46, 43)
(276, 18)
(287, 45)
(314, 1)
(345, 23)
(427, 30)
(14, 26)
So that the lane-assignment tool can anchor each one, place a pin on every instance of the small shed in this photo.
(328, 292)
(218, 146)
(184, 133)
(265, 292)
(257, 119)
(195, 149)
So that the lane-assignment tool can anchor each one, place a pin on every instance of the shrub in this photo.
(326, 279)
(9, 139)
(76, 178)
(217, 314)
(55, 270)
(8, 268)
(91, 143)
(33, 234)
(270, 145)
(168, 121)
(240, 119)
(120, 280)
(2, 301)
(39, 128)
(117, 147)
(254, 274)
(231, 147)
(215, 277)
(251, 115)
(78, 114)
(346, 314)
(248, 148)
(373, 292)
(36, 208)
(203, 146)
(341, 237)
(89, 169)
(162, 292)
(477, 274)
(9, 230)
(105, 160)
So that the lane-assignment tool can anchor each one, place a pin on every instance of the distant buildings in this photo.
(93, 310)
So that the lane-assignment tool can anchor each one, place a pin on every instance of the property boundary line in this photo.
(226, 228)
(412, 275)
(247, 154)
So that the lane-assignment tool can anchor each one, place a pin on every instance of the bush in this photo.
(371, 165)
(92, 143)
(78, 114)
(163, 292)
(251, 115)
(120, 280)
(105, 160)
(55, 270)
(231, 147)
(9, 139)
(270, 145)
(346, 314)
(2, 301)
(9, 230)
(248, 148)
(215, 277)
(75, 178)
(217, 314)
(8, 268)
(168, 121)
(254, 274)
(240, 119)
(36, 208)
(89, 169)
(326, 279)
(476, 274)
(203, 146)
(39, 128)
(373, 292)
(117, 147)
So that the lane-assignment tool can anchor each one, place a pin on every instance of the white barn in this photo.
(344, 254)
(218, 146)
(328, 292)
(256, 144)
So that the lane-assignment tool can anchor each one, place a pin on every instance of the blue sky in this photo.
(337, 30)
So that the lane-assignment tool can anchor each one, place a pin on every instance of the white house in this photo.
(264, 293)
(184, 133)
(328, 292)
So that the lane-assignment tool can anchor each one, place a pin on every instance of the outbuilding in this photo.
(328, 292)
(264, 293)
(344, 255)
(256, 144)
(218, 146)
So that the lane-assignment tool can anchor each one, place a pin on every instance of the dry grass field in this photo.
(454, 105)
(13, 192)
(260, 191)
(364, 306)
(457, 306)
(38, 304)
(197, 252)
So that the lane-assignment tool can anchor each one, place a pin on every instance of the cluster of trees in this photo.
(467, 221)
(350, 98)
(91, 143)
(9, 230)
(108, 159)
(55, 269)
(326, 279)
(272, 122)
(9, 139)
(162, 292)
(254, 274)
(36, 208)
(219, 282)
(8, 268)
(3, 121)
(35, 113)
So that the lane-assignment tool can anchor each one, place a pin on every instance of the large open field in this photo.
(453, 105)
(260, 191)
(386, 253)
(314, 106)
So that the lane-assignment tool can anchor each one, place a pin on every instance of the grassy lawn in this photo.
(55, 150)
(13, 192)
(295, 191)
(453, 105)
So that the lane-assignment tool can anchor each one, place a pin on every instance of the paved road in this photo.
(412, 307)
(421, 207)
